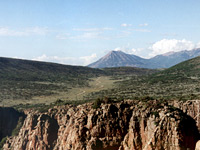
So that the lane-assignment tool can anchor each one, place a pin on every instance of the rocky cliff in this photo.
(126, 125)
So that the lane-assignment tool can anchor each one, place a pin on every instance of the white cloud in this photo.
(87, 35)
(144, 25)
(135, 51)
(168, 45)
(126, 25)
(140, 30)
(90, 35)
(37, 30)
(123, 34)
(92, 29)
(88, 59)
(198, 45)
(129, 50)
(63, 36)
(84, 60)
(169, 34)
(5, 31)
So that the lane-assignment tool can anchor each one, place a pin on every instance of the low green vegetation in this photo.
(28, 84)
(2, 142)
(31, 82)
(179, 82)
(42, 107)
(97, 103)
(18, 127)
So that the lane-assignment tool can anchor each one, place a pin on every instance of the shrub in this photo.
(107, 100)
(146, 98)
(155, 113)
(97, 103)
(3, 141)
(18, 127)
(59, 102)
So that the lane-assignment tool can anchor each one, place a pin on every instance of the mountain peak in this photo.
(168, 53)
(119, 58)
(115, 51)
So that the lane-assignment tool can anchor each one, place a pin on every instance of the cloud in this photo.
(144, 25)
(88, 59)
(37, 31)
(123, 34)
(140, 30)
(129, 50)
(168, 45)
(92, 29)
(126, 25)
(5, 31)
(87, 35)
(135, 51)
(84, 60)
(90, 33)
(63, 36)
(198, 45)
(169, 34)
(84, 36)
(117, 49)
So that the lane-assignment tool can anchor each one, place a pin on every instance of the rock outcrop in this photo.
(160, 128)
(126, 125)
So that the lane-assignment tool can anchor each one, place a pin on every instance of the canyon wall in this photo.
(128, 125)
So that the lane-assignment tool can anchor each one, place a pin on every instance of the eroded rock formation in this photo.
(126, 125)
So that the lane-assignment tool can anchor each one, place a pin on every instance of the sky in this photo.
(78, 32)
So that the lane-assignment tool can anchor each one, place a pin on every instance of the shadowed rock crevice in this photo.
(8, 121)
(52, 130)
(188, 132)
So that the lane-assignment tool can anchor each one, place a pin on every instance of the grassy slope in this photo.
(23, 79)
(31, 80)
(129, 71)
(180, 81)
(187, 71)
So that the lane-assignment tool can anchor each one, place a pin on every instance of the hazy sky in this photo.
(81, 31)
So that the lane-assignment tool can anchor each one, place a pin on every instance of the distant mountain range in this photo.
(119, 59)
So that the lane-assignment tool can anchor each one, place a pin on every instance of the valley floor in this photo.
(71, 94)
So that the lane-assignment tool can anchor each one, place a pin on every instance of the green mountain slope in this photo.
(178, 82)
(24, 79)
(187, 71)
(129, 71)
(16, 69)
(31, 80)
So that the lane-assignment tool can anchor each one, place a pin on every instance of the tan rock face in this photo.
(197, 145)
(127, 125)
(38, 132)
(164, 128)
